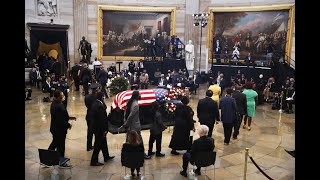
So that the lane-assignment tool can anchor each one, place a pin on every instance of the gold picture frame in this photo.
(128, 9)
(286, 7)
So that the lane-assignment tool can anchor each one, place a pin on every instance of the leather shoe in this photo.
(160, 155)
(89, 148)
(151, 154)
(198, 172)
(174, 152)
(108, 158)
(147, 157)
(183, 173)
(96, 164)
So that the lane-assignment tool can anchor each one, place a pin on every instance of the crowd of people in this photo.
(227, 101)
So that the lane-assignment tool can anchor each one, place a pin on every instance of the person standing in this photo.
(131, 117)
(182, 127)
(228, 114)
(208, 112)
(241, 102)
(75, 76)
(216, 90)
(99, 126)
(156, 131)
(85, 77)
(59, 124)
(88, 101)
(103, 79)
(251, 104)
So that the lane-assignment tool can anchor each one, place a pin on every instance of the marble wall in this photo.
(65, 17)
(81, 15)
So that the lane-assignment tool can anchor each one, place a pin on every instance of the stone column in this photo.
(191, 32)
(80, 17)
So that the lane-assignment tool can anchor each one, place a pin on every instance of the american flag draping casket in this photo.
(148, 96)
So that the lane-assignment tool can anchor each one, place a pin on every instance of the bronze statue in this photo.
(83, 47)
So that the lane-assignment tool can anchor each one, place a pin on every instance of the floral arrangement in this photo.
(173, 94)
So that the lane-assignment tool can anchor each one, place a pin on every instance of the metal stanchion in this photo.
(281, 103)
(245, 164)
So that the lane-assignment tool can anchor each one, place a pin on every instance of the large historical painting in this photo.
(124, 30)
(47, 8)
(252, 30)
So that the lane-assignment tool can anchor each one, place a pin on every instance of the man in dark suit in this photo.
(103, 79)
(208, 111)
(99, 127)
(88, 101)
(74, 72)
(203, 144)
(85, 77)
(228, 114)
(241, 102)
(59, 123)
(162, 82)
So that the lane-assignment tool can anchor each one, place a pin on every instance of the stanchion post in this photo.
(245, 164)
(281, 96)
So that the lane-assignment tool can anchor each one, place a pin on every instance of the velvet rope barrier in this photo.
(259, 168)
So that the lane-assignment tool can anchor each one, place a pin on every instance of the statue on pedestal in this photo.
(84, 50)
(189, 56)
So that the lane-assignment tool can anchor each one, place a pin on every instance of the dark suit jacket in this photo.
(241, 102)
(203, 144)
(137, 80)
(85, 75)
(59, 118)
(102, 77)
(99, 123)
(228, 109)
(88, 101)
(165, 82)
(208, 111)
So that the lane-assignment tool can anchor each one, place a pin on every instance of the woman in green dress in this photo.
(251, 104)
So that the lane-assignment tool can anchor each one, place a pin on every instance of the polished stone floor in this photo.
(272, 132)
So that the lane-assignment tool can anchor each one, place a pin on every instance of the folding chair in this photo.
(205, 159)
(50, 158)
(132, 160)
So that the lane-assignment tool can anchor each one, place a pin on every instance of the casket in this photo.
(148, 96)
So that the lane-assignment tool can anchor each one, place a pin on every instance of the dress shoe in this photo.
(147, 157)
(234, 137)
(183, 173)
(96, 164)
(292, 153)
(174, 152)
(108, 158)
(160, 155)
(226, 143)
(151, 154)
(198, 172)
(89, 148)
(28, 99)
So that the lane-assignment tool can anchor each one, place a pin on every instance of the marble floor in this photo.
(272, 132)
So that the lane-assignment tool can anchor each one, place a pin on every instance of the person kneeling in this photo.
(204, 143)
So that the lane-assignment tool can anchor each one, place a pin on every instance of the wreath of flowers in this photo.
(173, 94)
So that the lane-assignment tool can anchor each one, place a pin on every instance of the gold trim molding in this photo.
(101, 8)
